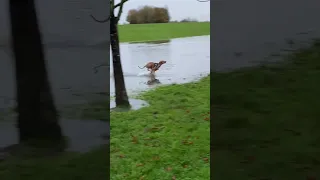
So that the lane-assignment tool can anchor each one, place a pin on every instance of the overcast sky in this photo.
(178, 9)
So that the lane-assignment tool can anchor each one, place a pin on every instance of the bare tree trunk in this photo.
(37, 114)
(121, 92)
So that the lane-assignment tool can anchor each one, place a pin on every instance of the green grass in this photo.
(170, 138)
(266, 120)
(163, 31)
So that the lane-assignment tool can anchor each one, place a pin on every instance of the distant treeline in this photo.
(150, 14)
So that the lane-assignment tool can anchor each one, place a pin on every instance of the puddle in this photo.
(135, 104)
(83, 135)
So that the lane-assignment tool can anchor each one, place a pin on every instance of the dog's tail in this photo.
(141, 67)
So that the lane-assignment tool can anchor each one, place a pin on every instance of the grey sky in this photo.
(178, 9)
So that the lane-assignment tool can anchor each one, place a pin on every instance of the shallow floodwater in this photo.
(74, 44)
(249, 32)
(71, 72)
(187, 59)
(83, 135)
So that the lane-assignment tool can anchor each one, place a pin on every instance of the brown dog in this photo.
(153, 66)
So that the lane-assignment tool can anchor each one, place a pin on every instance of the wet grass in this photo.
(165, 31)
(167, 140)
(266, 120)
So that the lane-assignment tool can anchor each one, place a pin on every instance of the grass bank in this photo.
(165, 31)
(167, 140)
(266, 121)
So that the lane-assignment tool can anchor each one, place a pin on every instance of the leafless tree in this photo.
(121, 93)
(37, 114)
(122, 99)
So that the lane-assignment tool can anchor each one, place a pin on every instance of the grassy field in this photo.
(266, 121)
(165, 31)
(170, 139)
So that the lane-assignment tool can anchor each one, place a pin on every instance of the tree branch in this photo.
(120, 4)
(120, 9)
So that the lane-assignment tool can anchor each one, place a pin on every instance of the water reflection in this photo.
(152, 80)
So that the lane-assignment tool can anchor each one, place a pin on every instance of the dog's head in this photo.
(162, 62)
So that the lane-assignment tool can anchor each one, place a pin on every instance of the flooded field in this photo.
(83, 135)
(71, 72)
(74, 44)
(249, 32)
(187, 60)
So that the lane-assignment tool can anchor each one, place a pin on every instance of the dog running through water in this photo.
(152, 66)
